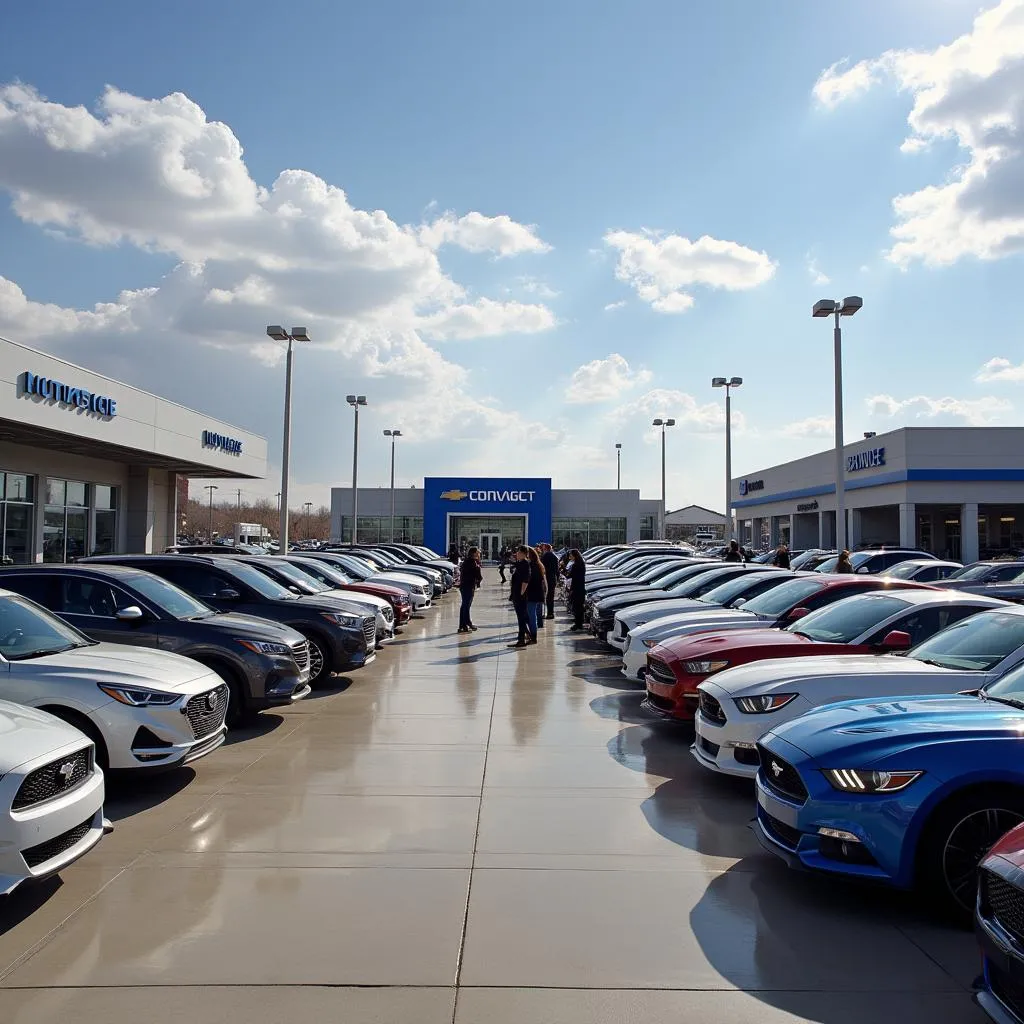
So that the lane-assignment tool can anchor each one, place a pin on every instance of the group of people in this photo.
(734, 553)
(533, 584)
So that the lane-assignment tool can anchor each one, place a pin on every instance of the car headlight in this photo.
(763, 703)
(343, 619)
(263, 646)
(651, 643)
(856, 780)
(139, 697)
(704, 668)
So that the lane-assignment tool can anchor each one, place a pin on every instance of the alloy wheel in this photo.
(968, 841)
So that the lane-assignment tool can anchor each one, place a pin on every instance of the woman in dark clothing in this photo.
(535, 594)
(733, 554)
(781, 559)
(520, 583)
(844, 564)
(577, 588)
(470, 577)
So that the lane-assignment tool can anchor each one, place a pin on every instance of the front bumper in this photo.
(1000, 989)
(162, 736)
(275, 681)
(43, 838)
(634, 661)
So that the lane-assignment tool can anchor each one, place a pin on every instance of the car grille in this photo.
(783, 834)
(781, 777)
(1003, 903)
(389, 615)
(205, 711)
(659, 703)
(300, 653)
(54, 779)
(659, 671)
(36, 855)
(370, 629)
(1006, 990)
(710, 708)
(708, 747)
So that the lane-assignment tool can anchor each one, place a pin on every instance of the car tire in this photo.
(319, 654)
(956, 837)
(83, 724)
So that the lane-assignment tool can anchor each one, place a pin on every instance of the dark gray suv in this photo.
(265, 664)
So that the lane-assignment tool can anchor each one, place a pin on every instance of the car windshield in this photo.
(263, 585)
(809, 559)
(843, 622)
(295, 575)
(703, 583)
(857, 559)
(902, 571)
(26, 631)
(168, 598)
(973, 572)
(977, 643)
(780, 600)
(733, 588)
(1009, 688)
(324, 572)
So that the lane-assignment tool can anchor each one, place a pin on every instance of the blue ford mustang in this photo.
(903, 791)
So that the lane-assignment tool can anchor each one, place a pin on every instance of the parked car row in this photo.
(880, 716)
(135, 663)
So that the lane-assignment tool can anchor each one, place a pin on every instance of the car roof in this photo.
(99, 568)
(838, 579)
(219, 560)
(936, 595)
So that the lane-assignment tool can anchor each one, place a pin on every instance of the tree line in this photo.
(194, 519)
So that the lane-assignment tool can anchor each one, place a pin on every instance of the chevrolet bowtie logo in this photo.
(454, 495)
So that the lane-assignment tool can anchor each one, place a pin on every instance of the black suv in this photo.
(265, 665)
(338, 640)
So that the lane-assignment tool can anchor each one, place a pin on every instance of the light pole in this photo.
(307, 505)
(392, 434)
(211, 488)
(836, 309)
(728, 383)
(618, 467)
(278, 333)
(355, 401)
(664, 424)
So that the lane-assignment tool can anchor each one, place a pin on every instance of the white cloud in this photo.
(812, 426)
(603, 380)
(969, 91)
(689, 414)
(533, 286)
(476, 233)
(612, 306)
(818, 277)
(661, 267)
(158, 175)
(975, 412)
(1000, 369)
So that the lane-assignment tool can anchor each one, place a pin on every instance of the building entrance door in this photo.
(490, 546)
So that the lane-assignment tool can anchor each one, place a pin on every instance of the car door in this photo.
(922, 623)
(93, 606)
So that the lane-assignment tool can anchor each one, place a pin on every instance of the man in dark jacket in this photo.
(781, 559)
(520, 582)
(577, 588)
(550, 560)
(733, 554)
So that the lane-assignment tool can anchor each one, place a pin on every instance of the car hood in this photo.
(862, 733)
(120, 665)
(26, 733)
(718, 645)
(667, 625)
(381, 589)
(248, 627)
(685, 610)
(356, 597)
(398, 577)
(1010, 848)
(626, 598)
(327, 603)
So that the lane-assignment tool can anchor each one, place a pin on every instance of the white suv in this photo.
(140, 707)
(51, 796)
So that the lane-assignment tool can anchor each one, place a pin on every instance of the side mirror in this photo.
(739, 602)
(797, 613)
(294, 589)
(133, 613)
(896, 640)
(863, 570)
(228, 594)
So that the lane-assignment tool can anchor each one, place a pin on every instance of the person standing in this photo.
(520, 584)
(470, 577)
(550, 560)
(844, 564)
(781, 560)
(535, 594)
(733, 554)
(503, 562)
(577, 588)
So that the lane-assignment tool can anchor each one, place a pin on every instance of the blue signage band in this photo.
(231, 445)
(66, 394)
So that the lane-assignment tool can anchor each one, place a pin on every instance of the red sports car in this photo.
(873, 622)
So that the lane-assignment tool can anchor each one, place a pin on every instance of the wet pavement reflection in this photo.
(462, 832)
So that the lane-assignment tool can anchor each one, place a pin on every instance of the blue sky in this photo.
(585, 125)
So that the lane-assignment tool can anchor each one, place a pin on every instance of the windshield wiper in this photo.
(1011, 701)
(44, 653)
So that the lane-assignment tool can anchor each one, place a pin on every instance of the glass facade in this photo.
(586, 533)
(17, 492)
(489, 533)
(69, 519)
(377, 529)
(647, 527)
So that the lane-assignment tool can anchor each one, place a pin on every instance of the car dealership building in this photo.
(489, 513)
(954, 491)
(88, 465)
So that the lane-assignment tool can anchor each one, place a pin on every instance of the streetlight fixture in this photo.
(728, 383)
(664, 424)
(393, 434)
(307, 505)
(278, 333)
(836, 309)
(355, 401)
(618, 467)
(211, 488)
